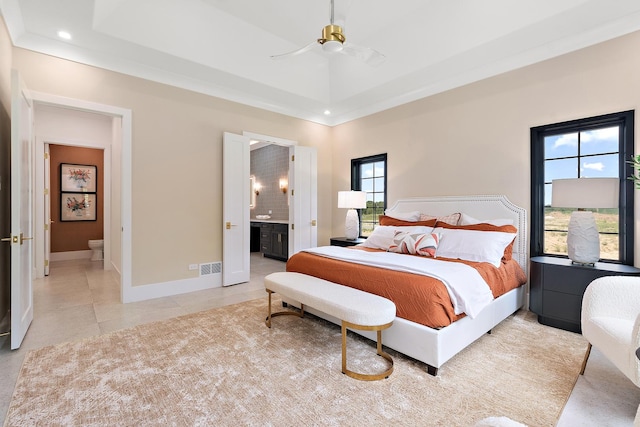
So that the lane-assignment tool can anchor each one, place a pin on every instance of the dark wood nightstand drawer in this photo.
(562, 306)
(573, 281)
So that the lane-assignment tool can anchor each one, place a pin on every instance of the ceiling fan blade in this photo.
(366, 54)
(295, 52)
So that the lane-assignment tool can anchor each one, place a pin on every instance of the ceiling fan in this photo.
(334, 41)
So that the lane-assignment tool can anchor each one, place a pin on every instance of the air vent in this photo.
(210, 268)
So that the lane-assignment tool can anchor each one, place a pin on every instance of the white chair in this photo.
(610, 321)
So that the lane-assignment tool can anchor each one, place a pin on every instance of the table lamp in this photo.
(352, 200)
(583, 240)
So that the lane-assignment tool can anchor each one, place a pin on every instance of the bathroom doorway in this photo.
(74, 137)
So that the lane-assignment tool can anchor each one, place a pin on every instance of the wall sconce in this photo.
(256, 188)
(283, 185)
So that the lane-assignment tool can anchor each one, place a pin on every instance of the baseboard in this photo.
(66, 256)
(166, 289)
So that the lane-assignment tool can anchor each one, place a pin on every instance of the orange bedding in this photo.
(420, 299)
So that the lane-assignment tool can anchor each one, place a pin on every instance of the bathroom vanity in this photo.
(272, 236)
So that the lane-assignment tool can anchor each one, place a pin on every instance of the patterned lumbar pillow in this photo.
(424, 244)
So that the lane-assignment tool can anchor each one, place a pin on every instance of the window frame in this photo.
(625, 121)
(356, 180)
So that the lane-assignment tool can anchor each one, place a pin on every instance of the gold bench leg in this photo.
(267, 321)
(386, 356)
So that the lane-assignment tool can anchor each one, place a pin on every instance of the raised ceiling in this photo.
(223, 47)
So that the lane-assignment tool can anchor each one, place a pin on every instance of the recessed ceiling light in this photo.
(64, 35)
(327, 112)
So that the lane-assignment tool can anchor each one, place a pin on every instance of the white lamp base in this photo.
(352, 225)
(583, 240)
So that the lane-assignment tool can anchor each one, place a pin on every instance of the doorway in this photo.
(69, 130)
(302, 181)
(117, 183)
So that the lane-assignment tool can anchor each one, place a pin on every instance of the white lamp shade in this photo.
(352, 199)
(585, 193)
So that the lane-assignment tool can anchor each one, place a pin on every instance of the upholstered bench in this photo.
(355, 308)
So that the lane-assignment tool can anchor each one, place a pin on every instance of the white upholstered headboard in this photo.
(479, 207)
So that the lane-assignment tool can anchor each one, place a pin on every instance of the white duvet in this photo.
(468, 290)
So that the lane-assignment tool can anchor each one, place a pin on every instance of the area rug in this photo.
(225, 367)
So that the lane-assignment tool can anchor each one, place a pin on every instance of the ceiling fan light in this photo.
(332, 46)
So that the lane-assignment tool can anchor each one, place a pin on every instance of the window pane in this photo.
(366, 170)
(555, 242)
(379, 169)
(600, 141)
(366, 185)
(563, 168)
(378, 184)
(561, 146)
(600, 166)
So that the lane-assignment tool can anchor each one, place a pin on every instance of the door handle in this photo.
(229, 225)
(22, 238)
(13, 239)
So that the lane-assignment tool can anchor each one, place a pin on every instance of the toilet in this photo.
(96, 246)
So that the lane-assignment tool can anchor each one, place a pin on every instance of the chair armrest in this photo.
(612, 296)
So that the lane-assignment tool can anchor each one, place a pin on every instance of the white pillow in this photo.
(382, 236)
(473, 245)
(469, 220)
(404, 216)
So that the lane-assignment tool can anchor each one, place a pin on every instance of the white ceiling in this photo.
(223, 47)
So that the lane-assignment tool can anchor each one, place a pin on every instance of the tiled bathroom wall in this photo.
(269, 165)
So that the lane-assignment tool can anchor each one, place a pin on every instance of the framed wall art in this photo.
(78, 206)
(78, 178)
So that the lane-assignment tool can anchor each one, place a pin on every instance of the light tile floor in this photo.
(79, 299)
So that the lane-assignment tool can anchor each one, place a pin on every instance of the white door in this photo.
(303, 194)
(47, 209)
(21, 211)
(235, 209)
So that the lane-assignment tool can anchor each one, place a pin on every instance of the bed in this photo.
(435, 344)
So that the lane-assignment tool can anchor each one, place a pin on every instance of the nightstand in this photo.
(557, 287)
(343, 241)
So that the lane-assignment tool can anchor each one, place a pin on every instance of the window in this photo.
(597, 147)
(369, 174)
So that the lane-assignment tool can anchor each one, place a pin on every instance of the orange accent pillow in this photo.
(508, 251)
(387, 220)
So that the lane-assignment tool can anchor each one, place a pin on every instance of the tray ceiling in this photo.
(223, 47)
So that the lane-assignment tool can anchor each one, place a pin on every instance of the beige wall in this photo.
(176, 155)
(475, 139)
